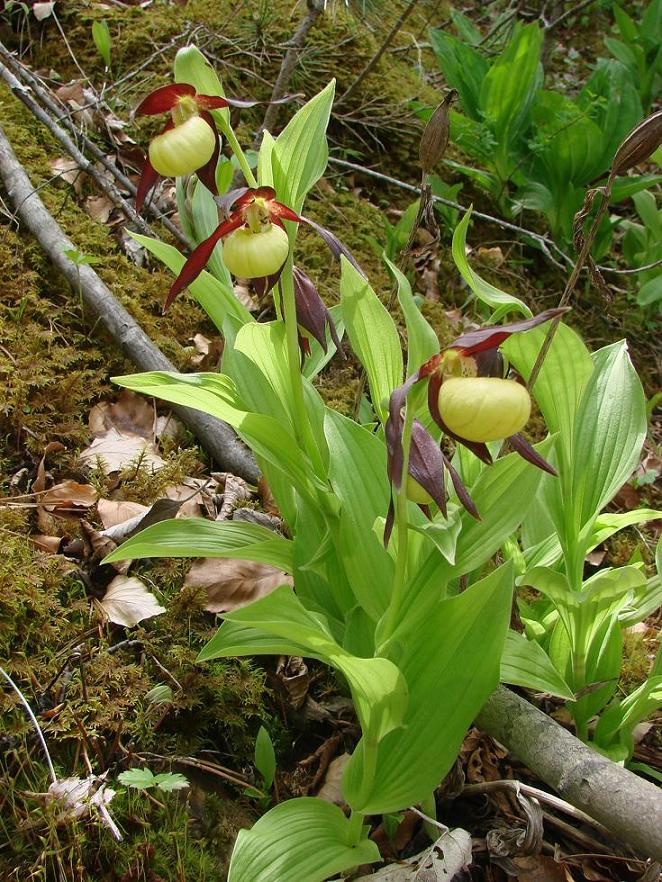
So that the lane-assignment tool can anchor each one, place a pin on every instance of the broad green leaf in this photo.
(305, 839)
(503, 494)
(650, 292)
(463, 67)
(617, 723)
(102, 40)
(422, 341)
(451, 664)
(214, 297)
(265, 176)
(170, 781)
(608, 523)
(378, 688)
(357, 473)
(505, 99)
(265, 346)
(197, 537)
(206, 220)
(215, 394)
(373, 335)
(300, 153)
(560, 384)
(647, 601)
(141, 779)
(265, 757)
(236, 640)
(525, 663)
(610, 429)
(484, 291)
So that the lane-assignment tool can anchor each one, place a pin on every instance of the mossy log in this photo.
(630, 807)
(218, 439)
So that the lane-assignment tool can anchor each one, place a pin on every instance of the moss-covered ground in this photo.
(86, 681)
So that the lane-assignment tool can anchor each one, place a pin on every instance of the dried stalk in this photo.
(215, 436)
(370, 66)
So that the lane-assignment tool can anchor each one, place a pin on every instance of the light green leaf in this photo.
(373, 335)
(102, 40)
(196, 537)
(422, 341)
(215, 394)
(608, 523)
(484, 291)
(503, 495)
(463, 67)
(140, 779)
(378, 688)
(217, 299)
(300, 153)
(525, 663)
(610, 429)
(265, 177)
(357, 473)
(265, 757)
(451, 664)
(305, 839)
(169, 781)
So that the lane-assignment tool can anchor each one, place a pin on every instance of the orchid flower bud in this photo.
(182, 149)
(252, 255)
(417, 493)
(483, 409)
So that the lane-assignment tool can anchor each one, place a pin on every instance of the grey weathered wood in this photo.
(630, 807)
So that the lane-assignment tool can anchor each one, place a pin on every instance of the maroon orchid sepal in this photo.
(312, 313)
(249, 207)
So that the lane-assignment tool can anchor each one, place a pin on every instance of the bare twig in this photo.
(33, 720)
(370, 66)
(294, 46)
(215, 436)
(541, 795)
(545, 243)
(49, 106)
(573, 10)
(629, 807)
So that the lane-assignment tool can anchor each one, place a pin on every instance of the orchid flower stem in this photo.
(355, 827)
(302, 427)
(391, 615)
(235, 146)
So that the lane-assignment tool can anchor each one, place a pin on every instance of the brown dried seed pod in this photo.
(641, 143)
(434, 139)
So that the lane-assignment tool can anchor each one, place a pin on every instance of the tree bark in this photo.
(218, 439)
(629, 806)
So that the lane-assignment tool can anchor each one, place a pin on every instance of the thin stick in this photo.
(61, 117)
(388, 39)
(33, 720)
(545, 243)
(541, 795)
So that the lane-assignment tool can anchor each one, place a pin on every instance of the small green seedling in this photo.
(102, 40)
(145, 779)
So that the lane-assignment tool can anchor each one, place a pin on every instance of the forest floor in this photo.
(110, 697)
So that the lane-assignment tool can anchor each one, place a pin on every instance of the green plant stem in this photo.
(235, 146)
(355, 827)
(391, 615)
(302, 429)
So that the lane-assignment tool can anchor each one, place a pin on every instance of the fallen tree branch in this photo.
(628, 806)
(218, 439)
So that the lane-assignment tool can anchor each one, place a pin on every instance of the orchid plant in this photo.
(389, 560)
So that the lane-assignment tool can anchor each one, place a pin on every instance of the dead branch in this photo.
(629, 806)
(216, 437)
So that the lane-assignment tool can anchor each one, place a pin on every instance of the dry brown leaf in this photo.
(231, 584)
(243, 294)
(127, 602)
(69, 171)
(235, 491)
(39, 482)
(193, 495)
(331, 789)
(49, 544)
(115, 450)
(69, 494)
(99, 208)
(292, 674)
(116, 511)
(130, 414)
(168, 426)
(208, 352)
